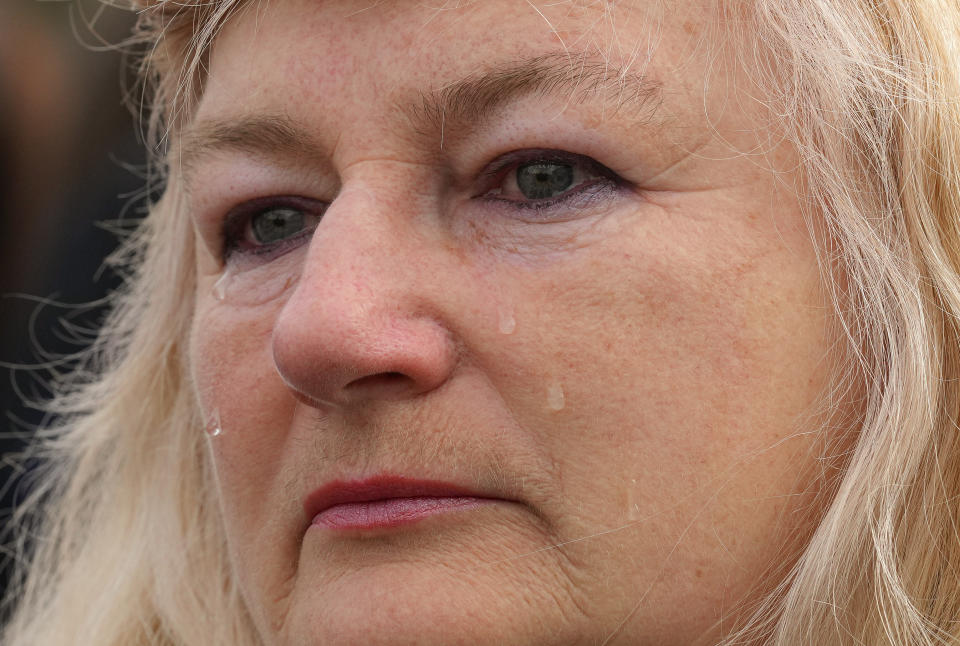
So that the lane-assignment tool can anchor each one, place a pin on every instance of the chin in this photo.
(418, 606)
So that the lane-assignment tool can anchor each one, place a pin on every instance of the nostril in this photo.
(381, 381)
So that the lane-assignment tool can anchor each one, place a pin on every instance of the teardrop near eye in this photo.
(544, 179)
(277, 224)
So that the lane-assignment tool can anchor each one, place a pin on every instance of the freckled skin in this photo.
(681, 315)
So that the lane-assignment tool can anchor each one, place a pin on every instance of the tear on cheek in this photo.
(213, 426)
(258, 285)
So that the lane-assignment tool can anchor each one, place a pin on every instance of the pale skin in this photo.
(629, 373)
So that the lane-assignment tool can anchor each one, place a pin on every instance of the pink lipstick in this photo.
(385, 501)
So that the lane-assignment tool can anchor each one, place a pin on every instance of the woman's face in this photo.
(507, 321)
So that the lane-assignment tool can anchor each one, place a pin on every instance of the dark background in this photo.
(71, 166)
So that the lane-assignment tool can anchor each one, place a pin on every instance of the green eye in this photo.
(268, 227)
(275, 225)
(546, 181)
(542, 179)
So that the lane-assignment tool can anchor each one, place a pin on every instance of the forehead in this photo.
(355, 72)
(305, 51)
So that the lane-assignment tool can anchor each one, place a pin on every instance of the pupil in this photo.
(541, 180)
(277, 224)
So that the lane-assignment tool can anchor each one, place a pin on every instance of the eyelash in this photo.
(601, 181)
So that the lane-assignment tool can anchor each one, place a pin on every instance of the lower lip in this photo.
(391, 512)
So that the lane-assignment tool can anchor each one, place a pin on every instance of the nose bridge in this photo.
(371, 252)
(377, 217)
(359, 324)
(354, 247)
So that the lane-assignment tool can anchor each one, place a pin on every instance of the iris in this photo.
(274, 225)
(541, 180)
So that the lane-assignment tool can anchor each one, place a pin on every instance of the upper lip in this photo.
(382, 487)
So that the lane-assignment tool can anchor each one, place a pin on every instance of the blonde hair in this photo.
(131, 550)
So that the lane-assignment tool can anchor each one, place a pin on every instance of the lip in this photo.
(385, 501)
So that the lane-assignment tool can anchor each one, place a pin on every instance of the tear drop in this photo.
(633, 508)
(507, 323)
(220, 287)
(555, 397)
(214, 428)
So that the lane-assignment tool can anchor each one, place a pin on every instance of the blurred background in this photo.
(70, 166)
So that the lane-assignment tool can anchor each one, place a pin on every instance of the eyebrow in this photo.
(257, 135)
(460, 106)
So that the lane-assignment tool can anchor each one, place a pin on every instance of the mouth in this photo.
(386, 501)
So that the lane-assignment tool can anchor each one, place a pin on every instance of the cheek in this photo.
(233, 371)
(231, 354)
(682, 355)
(690, 360)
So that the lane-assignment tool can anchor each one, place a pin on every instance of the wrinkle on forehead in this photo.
(574, 78)
(460, 106)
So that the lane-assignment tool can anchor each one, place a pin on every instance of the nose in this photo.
(362, 324)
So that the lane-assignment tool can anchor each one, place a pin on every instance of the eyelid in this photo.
(518, 157)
